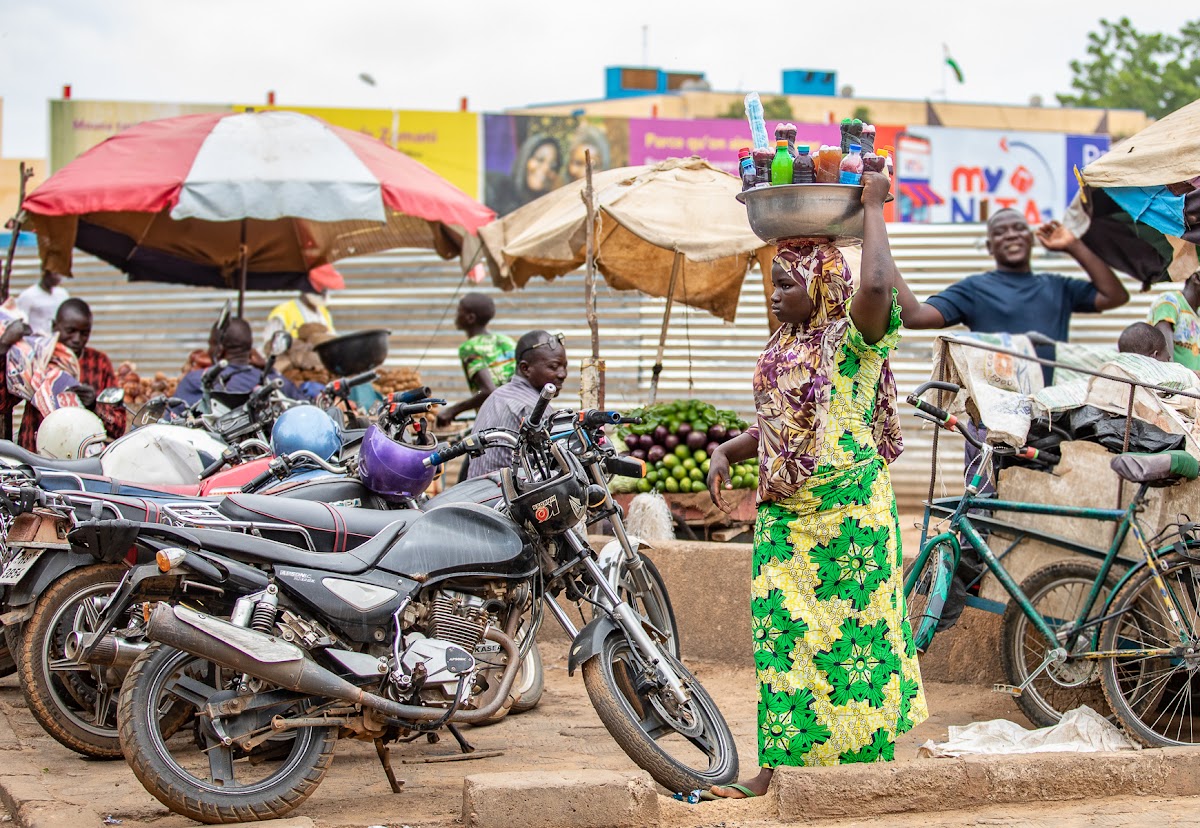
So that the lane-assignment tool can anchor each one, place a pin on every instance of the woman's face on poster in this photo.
(541, 170)
(577, 163)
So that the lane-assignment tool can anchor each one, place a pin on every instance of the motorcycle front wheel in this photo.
(652, 603)
(683, 747)
(195, 772)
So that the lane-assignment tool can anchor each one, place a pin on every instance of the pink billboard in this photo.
(716, 140)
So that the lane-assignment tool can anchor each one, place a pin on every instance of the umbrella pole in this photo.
(592, 379)
(662, 335)
(244, 265)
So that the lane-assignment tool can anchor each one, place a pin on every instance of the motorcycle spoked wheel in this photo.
(74, 703)
(681, 747)
(219, 783)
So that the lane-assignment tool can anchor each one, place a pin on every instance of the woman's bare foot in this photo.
(755, 786)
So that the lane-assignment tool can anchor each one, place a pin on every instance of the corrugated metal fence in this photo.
(414, 294)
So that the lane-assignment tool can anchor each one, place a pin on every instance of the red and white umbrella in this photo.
(213, 199)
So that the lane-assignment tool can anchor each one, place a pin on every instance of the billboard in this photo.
(526, 156)
(716, 140)
(975, 172)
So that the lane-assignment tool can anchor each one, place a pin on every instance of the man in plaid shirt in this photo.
(73, 324)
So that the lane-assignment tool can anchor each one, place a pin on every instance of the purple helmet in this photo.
(393, 470)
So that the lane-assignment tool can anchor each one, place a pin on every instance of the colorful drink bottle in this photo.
(851, 169)
(829, 164)
(781, 165)
(803, 169)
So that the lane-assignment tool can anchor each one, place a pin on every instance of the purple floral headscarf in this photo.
(793, 386)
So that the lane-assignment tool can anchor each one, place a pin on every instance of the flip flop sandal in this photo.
(746, 792)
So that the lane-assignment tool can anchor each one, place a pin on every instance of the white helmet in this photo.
(70, 434)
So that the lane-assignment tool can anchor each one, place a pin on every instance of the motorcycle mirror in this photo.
(223, 317)
(111, 396)
(281, 343)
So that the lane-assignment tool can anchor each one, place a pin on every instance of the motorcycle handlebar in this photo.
(209, 377)
(339, 387)
(411, 395)
(258, 481)
(263, 391)
(595, 417)
(549, 392)
(625, 466)
(227, 456)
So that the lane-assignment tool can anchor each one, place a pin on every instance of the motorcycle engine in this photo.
(435, 660)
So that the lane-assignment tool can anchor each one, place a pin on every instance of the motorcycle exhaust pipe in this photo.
(270, 659)
(112, 651)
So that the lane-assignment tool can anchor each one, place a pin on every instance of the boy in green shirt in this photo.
(487, 358)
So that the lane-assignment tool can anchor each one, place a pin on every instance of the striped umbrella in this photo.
(244, 200)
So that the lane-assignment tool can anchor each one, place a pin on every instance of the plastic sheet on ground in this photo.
(1081, 730)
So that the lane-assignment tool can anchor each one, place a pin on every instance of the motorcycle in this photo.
(391, 640)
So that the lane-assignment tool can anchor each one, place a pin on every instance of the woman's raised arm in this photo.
(871, 308)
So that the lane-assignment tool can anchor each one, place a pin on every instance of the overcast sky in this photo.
(426, 55)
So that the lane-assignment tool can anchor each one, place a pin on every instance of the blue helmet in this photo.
(309, 428)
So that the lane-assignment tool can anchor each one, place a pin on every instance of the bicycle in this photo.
(1081, 631)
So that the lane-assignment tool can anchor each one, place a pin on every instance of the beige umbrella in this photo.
(673, 229)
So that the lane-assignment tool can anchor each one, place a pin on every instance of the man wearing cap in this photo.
(309, 306)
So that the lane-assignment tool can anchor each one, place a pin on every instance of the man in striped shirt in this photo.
(541, 358)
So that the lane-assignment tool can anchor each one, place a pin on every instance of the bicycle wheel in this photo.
(925, 593)
(1156, 696)
(1057, 593)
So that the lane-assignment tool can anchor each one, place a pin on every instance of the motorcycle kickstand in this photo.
(466, 746)
(385, 759)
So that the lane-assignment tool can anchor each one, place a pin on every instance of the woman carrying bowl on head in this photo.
(834, 655)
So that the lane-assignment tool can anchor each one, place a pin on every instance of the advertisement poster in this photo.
(446, 142)
(77, 126)
(974, 173)
(526, 156)
(716, 140)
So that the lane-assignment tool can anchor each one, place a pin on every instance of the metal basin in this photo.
(789, 211)
(351, 354)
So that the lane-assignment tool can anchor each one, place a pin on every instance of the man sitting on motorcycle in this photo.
(233, 343)
(541, 358)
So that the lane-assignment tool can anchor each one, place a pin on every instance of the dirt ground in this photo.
(562, 733)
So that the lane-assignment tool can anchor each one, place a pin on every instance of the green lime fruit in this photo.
(688, 463)
(679, 473)
(682, 451)
(699, 455)
(651, 477)
(661, 485)
(672, 485)
(696, 474)
(705, 466)
(644, 485)
(670, 461)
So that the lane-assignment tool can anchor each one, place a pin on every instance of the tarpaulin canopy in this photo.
(194, 199)
(646, 217)
(1140, 207)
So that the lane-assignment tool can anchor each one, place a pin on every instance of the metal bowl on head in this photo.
(350, 354)
(786, 211)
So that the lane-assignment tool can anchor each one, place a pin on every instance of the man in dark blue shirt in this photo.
(1012, 299)
(233, 344)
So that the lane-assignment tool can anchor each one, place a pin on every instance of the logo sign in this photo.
(545, 510)
(458, 660)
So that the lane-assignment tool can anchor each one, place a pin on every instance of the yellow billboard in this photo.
(77, 126)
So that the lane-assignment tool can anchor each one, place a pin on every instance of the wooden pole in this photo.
(244, 265)
(590, 283)
(15, 226)
(593, 381)
(676, 264)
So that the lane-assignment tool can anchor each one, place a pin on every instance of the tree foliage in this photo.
(1127, 69)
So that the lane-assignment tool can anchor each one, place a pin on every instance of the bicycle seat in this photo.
(1161, 468)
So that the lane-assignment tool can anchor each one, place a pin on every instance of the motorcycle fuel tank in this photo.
(459, 537)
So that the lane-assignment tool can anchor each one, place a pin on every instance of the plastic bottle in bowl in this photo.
(851, 169)
(829, 164)
(803, 169)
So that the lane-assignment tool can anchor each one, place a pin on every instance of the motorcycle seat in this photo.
(255, 550)
(86, 465)
(332, 528)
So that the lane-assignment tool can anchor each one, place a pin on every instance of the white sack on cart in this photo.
(997, 389)
(1081, 730)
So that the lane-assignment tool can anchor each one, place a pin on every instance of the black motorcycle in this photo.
(402, 635)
